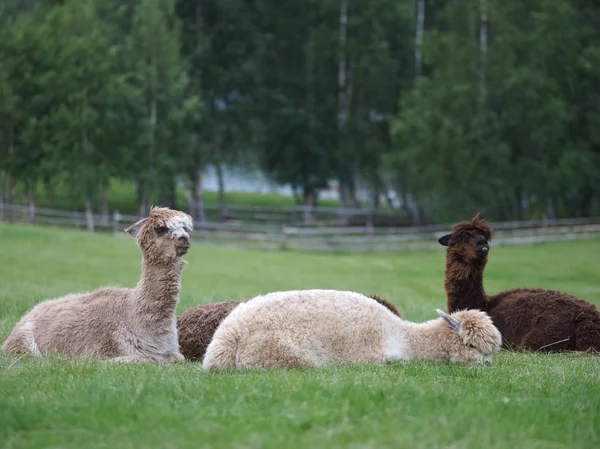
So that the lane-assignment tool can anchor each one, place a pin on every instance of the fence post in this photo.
(370, 223)
(284, 239)
(370, 229)
(116, 219)
(31, 213)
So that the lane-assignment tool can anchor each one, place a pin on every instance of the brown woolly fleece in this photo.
(534, 319)
(198, 325)
(121, 324)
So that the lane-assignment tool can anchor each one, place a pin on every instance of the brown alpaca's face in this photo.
(468, 244)
(469, 240)
(164, 235)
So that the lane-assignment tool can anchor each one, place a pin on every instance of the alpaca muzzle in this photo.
(483, 248)
(183, 244)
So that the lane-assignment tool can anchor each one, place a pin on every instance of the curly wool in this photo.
(528, 318)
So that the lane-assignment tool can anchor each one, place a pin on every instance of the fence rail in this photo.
(326, 238)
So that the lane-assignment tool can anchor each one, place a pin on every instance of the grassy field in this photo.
(521, 401)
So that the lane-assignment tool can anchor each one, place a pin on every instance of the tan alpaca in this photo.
(324, 327)
(123, 324)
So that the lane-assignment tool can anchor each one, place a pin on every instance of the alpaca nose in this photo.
(184, 239)
(482, 244)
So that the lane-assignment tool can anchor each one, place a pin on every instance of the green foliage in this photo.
(503, 117)
(504, 130)
(521, 400)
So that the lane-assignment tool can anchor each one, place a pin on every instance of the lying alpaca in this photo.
(541, 320)
(198, 325)
(324, 327)
(122, 324)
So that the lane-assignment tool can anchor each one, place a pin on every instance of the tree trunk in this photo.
(221, 182)
(31, 200)
(89, 215)
(196, 196)
(550, 208)
(168, 192)
(483, 38)
(375, 198)
(2, 197)
(419, 38)
(343, 106)
(149, 188)
(587, 198)
(11, 180)
(310, 65)
(518, 202)
(105, 217)
(309, 195)
(142, 197)
(199, 196)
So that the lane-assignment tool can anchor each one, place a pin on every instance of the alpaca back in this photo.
(301, 328)
(545, 320)
(197, 326)
(77, 324)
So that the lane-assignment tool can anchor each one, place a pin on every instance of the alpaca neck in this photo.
(157, 292)
(429, 341)
(464, 285)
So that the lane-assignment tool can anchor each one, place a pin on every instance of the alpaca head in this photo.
(473, 338)
(469, 241)
(163, 236)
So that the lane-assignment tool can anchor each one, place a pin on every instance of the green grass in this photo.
(521, 401)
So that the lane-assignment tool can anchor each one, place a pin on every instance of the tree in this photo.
(162, 79)
(82, 132)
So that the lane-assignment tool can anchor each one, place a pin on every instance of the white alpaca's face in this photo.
(173, 234)
(476, 339)
(468, 353)
(164, 235)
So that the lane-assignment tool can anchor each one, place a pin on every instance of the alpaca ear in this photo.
(135, 228)
(444, 240)
(451, 321)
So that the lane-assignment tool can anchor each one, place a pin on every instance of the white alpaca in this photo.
(122, 324)
(322, 327)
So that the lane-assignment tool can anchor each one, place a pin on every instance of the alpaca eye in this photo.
(466, 236)
(471, 346)
(160, 229)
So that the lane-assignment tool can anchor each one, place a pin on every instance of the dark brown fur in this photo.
(535, 319)
(384, 302)
(198, 325)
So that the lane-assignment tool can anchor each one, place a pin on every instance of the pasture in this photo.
(522, 400)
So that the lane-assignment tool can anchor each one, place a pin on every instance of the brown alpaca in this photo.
(535, 319)
(198, 325)
(122, 324)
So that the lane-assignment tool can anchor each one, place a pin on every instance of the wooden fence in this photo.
(324, 238)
